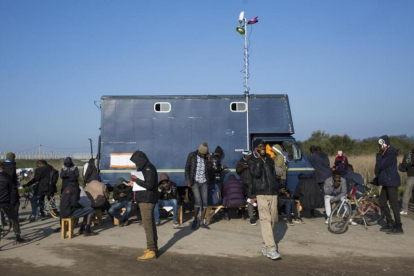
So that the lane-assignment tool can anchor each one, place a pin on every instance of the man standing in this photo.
(146, 201)
(265, 188)
(320, 162)
(388, 177)
(10, 169)
(407, 166)
(242, 170)
(197, 170)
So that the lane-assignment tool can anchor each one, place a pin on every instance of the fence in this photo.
(48, 155)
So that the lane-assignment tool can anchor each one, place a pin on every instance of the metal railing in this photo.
(47, 155)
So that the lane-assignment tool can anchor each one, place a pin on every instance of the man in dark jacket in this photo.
(6, 189)
(42, 188)
(352, 179)
(320, 162)
(71, 208)
(242, 170)
(217, 168)
(168, 197)
(10, 169)
(197, 170)
(407, 165)
(146, 201)
(265, 188)
(387, 176)
(90, 171)
(123, 194)
(309, 194)
(67, 170)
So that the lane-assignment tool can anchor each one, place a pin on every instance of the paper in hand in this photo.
(137, 188)
(139, 175)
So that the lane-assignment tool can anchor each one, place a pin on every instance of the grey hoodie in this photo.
(337, 193)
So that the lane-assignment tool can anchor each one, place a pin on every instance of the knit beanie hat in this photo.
(203, 148)
(257, 142)
(384, 139)
(10, 155)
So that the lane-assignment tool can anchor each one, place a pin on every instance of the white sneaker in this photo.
(404, 213)
(352, 222)
(327, 221)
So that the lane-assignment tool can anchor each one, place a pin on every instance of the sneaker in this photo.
(403, 213)
(387, 227)
(253, 222)
(274, 255)
(290, 222)
(205, 226)
(126, 223)
(327, 221)
(352, 222)
(300, 220)
(296, 221)
(264, 251)
(149, 255)
(175, 223)
(226, 217)
(195, 224)
(158, 224)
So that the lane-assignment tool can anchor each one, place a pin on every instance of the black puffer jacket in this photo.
(10, 169)
(150, 178)
(263, 176)
(5, 188)
(191, 168)
(41, 177)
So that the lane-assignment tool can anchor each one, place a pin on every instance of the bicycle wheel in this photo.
(54, 207)
(5, 224)
(372, 213)
(339, 218)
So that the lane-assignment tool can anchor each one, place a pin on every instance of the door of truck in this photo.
(297, 162)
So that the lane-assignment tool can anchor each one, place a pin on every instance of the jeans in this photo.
(35, 205)
(390, 194)
(250, 210)
(291, 207)
(200, 192)
(148, 222)
(166, 203)
(113, 211)
(407, 192)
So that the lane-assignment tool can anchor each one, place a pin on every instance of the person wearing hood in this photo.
(308, 193)
(70, 207)
(320, 162)
(10, 169)
(67, 170)
(168, 197)
(98, 194)
(146, 201)
(341, 161)
(197, 175)
(387, 176)
(216, 158)
(90, 170)
(242, 170)
(280, 163)
(123, 194)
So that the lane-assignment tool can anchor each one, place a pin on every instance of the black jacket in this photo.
(407, 164)
(41, 176)
(308, 192)
(191, 168)
(150, 178)
(386, 168)
(10, 169)
(245, 175)
(65, 172)
(91, 171)
(122, 188)
(320, 162)
(69, 200)
(5, 187)
(263, 176)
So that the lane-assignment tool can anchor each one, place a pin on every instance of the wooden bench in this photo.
(216, 209)
(68, 224)
(180, 213)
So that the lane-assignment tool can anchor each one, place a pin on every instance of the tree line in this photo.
(330, 144)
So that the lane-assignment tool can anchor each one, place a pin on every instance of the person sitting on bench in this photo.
(167, 191)
(123, 194)
(286, 199)
(71, 208)
(233, 195)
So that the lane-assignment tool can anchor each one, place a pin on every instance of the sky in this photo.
(347, 66)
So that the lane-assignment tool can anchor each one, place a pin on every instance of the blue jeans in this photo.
(34, 202)
(118, 206)
(200, 192)
(291, 206)
(166, 203)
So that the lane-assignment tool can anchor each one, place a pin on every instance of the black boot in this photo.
(81, 229)
(20, 240)
(397, 230)
(388, 227)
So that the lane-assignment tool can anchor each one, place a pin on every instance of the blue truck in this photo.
(168, 128)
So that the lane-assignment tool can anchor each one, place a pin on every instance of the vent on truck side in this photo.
(162, 107)
(238, 107)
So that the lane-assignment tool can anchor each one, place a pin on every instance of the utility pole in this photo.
(40, 151)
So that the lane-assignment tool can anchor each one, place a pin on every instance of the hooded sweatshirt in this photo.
(121, 188)
(386, 168)
(67, 171)
(320, 162)
(171, 192)
(150, 182)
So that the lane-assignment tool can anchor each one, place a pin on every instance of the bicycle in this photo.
(5, 224)
(366, 207)
(52, 206)
(27, 195)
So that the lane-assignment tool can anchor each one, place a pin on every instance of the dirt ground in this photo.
(229, 247)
